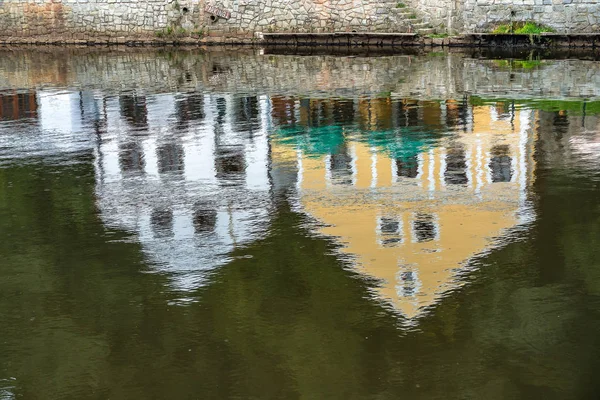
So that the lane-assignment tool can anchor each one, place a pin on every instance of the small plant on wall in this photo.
(522, 28)
(171, 32)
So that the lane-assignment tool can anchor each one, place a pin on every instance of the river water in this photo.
(234, 224)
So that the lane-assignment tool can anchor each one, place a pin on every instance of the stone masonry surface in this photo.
(565, 16)
(107, 19)
(444, 15)
(114, 20)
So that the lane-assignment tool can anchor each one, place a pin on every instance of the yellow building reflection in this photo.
(411, 222)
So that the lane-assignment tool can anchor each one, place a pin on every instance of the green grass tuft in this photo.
(171, 32)
(502, 29)
(522, 28)
(532, 28)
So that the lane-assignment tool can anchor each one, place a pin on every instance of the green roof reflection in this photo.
(403, 143)
(399, 143)
(314, 141)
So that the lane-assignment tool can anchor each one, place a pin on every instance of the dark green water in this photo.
(178, 226)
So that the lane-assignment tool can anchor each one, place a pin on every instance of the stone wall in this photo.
(565, 16)
(114, 20)
(469, 16)
(177, 19)
(308, 16)
(81, 19)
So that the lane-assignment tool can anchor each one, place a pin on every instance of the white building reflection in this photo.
(43, 123)
(189, 174)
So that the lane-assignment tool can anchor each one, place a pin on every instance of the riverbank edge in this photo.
(338, 39)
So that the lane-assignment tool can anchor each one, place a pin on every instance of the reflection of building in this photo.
(570, 137)
(14, 106)
(412, 189)
(45, 123)
(412, 218)
(189, 174)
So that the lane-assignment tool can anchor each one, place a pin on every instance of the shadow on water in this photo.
(214, 232)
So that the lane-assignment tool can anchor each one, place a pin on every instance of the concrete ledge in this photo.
(361, 51)
(340, 39)
(372, 40)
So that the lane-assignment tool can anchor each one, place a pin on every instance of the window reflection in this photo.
(343, 111)
(431, 114)
(189, 108)
(376, 114)
(503, 111)
(283, 111)
(501, 164)
(318, 112)
(390, 230)
(161, 221)
(407, 167)
(424, 228)
(221, 110)
(134, 110)
(457, 113)
(131, 157)
(230, 162)
(408, 283)
(407, 113)
(560, 124)
(246, 115)
(341, 166)
(205, 219)
(313, 113)
(456, 166)
(170, 158)
(18, 106)
(90, 110)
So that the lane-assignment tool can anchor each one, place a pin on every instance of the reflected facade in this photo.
(14, 105)
(411, 190)
(194, 187)
(412, 214)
